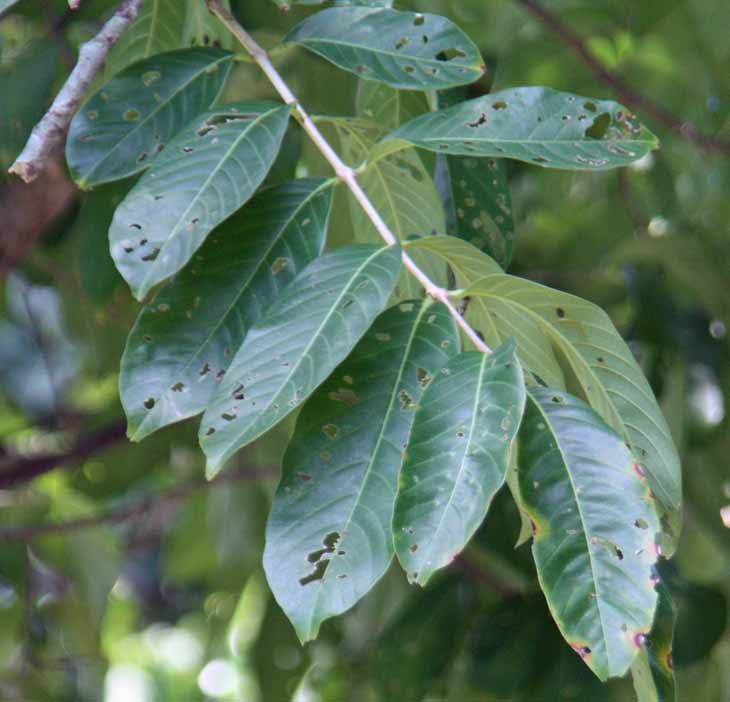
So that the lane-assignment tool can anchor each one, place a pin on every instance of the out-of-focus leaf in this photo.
(702, 616)
(402, 49)
(594, 521)
(457, 457)
(185, 338)
(206, 173)
(120, 130)
(322, 557)
(537, 125)
(299, 341)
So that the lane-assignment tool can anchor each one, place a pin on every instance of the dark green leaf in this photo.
(299, 341)
(121, 129)
(594, 525)
(457, 457)
(205, 174)
(653, 668)
(329, 536)
(537, 125)
(185, 338)
(605, 371)
(402, 49)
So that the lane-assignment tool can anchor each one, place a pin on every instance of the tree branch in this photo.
(25, 469)
(133, 508)
(630, 96)
(49, 134)
(346, 174)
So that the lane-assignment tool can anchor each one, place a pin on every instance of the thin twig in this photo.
(343, 171)
(26, 468)
(133, 508)
(628, 94)
(49, 134)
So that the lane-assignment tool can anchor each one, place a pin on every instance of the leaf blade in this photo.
(186, 336)
(365, 400)
(594, 521)
(206, 173)
(397, 48)
(467, 420)
(307, 331)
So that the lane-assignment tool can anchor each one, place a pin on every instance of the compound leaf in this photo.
(206, 173)
(300, 340)
(328, 538)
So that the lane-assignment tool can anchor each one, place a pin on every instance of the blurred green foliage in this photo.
(170, 605)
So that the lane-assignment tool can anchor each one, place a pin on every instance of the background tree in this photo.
(334, 302)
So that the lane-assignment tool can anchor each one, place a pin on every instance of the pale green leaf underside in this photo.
(402, 49)
(184, 339)
(604, 369)
(386, 106)
(328, 538)
(121, 128)
(300, 340)
(206, 173)
(402, 192)
(595, 525)
(537, 125)
(457, 457)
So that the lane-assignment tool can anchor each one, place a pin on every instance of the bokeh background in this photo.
(147, 585)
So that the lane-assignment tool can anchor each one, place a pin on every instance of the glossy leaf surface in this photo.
(537, 125)
(604, 369)
(121, 129)
(457, 457)
(328, 537)
(206, 173)
(594, 525)
(185, 338)
(402, 49)
(300, 340)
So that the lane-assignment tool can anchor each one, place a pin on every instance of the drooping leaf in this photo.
(457, 457)
(402, 191)
(299, 341)
(206, 173)
(203, 28)
(158, 28)
(402, 49)
(603, 368)
(653, 669)
(467, 262)
(594, 525)
(121, 129)
(184, 339)
(328, 538)
(478, 204)
(537, 125)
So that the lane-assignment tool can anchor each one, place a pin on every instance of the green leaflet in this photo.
(457, 457)
(184, 339)
(388, 107)
(121, 129)
(594, 526)
(603, 368)
(537, 125)
(403, 192)
(206, 173)
(328, 538)
(402, 49)
(302, 337)
(653, 669)
(203, 28)
(158, 28)
(466, 262)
